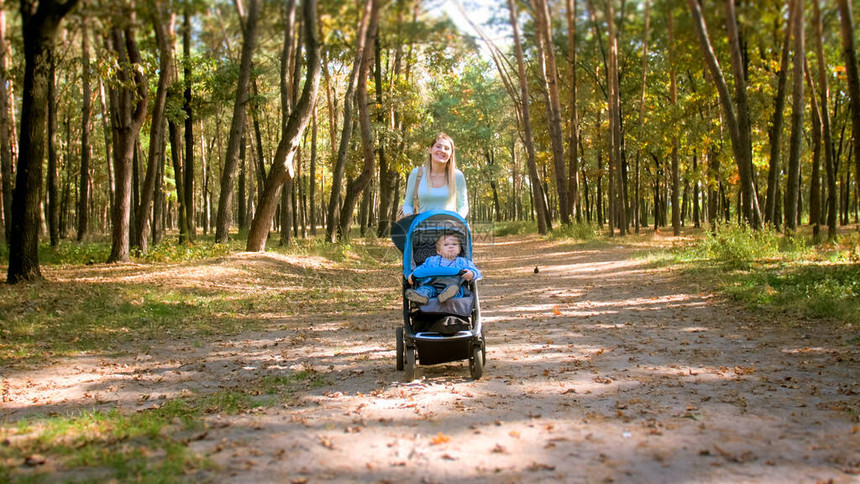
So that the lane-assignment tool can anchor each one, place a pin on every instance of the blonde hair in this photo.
(450, 168)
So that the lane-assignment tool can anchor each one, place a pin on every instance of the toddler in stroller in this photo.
(443, 287)
(441, 310)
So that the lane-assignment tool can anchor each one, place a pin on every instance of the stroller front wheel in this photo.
(410, 363)
(399, 346)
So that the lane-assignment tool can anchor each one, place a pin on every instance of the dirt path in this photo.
(598, 370)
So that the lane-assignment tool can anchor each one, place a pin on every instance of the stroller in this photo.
(439, 332)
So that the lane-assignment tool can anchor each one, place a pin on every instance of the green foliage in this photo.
(738, 246)
(582, 231)
(172, 252)
(776, 274)
(517, 227)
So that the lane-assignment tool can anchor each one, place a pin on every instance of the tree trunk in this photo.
(39, 24)
(188, 166)
(637, 197)
(673, 94)
(792, 186)
(775, 132)
(156, 130)
(237, 127)
(737, 120)
(827, 132)
(815, 179)
(5, 128)
(346, 132)
(292, 133)
(619, 213)
(573, 155)
(849, 51)
(53, 214)
(543, 219)
(357, 186)
(128, 111)
(313, 175)
(549, 78)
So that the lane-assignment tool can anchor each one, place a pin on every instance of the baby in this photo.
(444, 288)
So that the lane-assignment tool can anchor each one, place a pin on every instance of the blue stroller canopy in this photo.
(426, 229)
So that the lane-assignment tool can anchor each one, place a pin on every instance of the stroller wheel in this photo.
(399, 346)
(476, 362)
(410, 363)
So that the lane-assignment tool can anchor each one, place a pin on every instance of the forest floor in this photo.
(600, 368)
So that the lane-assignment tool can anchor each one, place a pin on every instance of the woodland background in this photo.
(157, 121)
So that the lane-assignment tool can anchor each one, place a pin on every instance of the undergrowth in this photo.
(785, 275)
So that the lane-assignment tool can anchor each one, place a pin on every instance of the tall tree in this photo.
(573, 154)
(129, 99)
(849, 51)
(542, 214)
(775, 132)
(549, 77)
(86, 107)
(673, 97)
(237, 126)
(53, 209)
(40, 21)
(619, 211)
(188, 165)
(346, 132)
(826, 130)
(637, 196)
(156, 130)
(355, 187)
(792, 185)
(5, 128)
(736, 113)
(292, 130)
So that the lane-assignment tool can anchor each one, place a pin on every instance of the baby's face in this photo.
(449, 247)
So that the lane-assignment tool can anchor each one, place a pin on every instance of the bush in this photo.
(521, 227)
(737, 246)
(579, 231)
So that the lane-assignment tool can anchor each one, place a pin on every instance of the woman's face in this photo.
(449, 247)
(441, 150)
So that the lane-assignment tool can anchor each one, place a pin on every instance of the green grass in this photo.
(775, 274)
(145, 446)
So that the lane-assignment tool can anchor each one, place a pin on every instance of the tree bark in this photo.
(543, 219)
(573, 155)
(346, 132)
(128, 111)
(53, 212)
(237, 127)
(815, 179)
(849, 51)
(775, 132)
(619, 212)
(5, 145)
(188, 166)
(792, 186)
(292, 133)
(673, 94)
(86, 107)
(156, 130)
(737, 120)
(40, 22)
(357, 185)
(826, 129)
(637, 197)
(549, 77)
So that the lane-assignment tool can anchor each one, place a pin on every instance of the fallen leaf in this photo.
(440, 439)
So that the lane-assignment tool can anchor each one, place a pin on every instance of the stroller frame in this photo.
(416, 345)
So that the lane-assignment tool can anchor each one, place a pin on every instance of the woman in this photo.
(436, 185)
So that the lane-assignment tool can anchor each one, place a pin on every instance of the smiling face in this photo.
(448, 246)
(442, 150)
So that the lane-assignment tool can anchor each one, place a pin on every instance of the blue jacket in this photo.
(437, 261)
